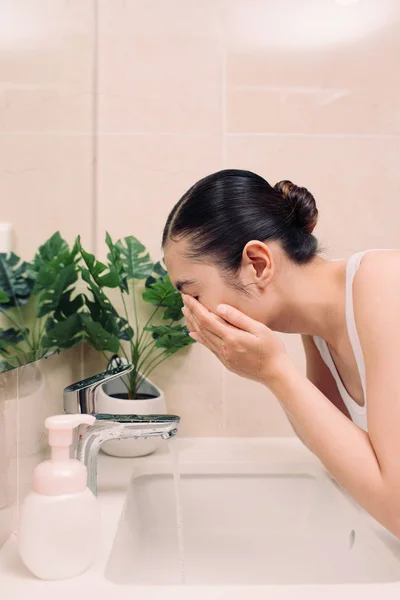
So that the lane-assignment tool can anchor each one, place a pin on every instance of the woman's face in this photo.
(209, 285)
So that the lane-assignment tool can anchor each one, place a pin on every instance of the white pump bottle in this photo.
(60, 522)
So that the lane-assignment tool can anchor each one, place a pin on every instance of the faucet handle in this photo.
(80, 397)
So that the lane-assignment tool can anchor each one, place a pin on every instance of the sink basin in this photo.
(245, 525)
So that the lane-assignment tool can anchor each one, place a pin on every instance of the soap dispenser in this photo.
(59, 523)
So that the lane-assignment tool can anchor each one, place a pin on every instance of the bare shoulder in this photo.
(376, 293)
(378, 274)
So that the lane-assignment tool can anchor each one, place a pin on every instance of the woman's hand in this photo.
(244, 346)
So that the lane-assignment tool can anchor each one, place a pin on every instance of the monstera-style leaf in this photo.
(158, 271)
(54, 251)
(136, 260)
(57, 295)
(62, 334)
(162, 293)
(56, 273)
(10, 337)
(15, 281)
(115, 260)
(96, 270)
(102, 311)
(98, 337)
(170, 337)
(4, 299)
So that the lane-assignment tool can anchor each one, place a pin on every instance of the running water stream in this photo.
(179, 512)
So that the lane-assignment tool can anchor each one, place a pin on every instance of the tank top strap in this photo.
(351, 269)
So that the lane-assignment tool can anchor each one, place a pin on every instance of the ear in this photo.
(257, 263)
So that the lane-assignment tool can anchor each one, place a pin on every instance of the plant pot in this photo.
(151, 405)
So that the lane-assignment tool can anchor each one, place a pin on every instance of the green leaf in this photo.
(4, 299)
(170, 337)
(50, 260)
(125, 331)
(95, 268)
(56, 272)
(163, 294)
(12, 336)
(72, 306)
(102, 311)
(9, 340)
(173, 311)
(114, 258)
(62, 334)
(12, 362)
(160, 269)
(98, 337)
(149, 281)
(136, 260)
(56, 294)
(15, 280)
(55, 248)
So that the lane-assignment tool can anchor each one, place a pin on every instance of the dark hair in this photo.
(222, 212)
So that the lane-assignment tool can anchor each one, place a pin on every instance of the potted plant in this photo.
(38, 318)
(120, 334)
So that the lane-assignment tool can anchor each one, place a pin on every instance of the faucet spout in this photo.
(118, 427)
(165, 426)
(81, 397)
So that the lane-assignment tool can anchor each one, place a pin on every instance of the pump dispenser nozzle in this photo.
(60, 432)
(61, 474)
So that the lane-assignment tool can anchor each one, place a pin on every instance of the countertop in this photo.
(114, 474)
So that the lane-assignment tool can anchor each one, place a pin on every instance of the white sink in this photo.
(260, 518)
(245, 524)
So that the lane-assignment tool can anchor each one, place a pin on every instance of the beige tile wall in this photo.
(188, 87)
(46, 184)
(46, 119)
(111, 109)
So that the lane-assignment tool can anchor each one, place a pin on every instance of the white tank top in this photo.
(357, 413)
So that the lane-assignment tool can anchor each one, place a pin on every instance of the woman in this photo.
(243, 255)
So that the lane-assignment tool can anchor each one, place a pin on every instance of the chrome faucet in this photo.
(81, 397)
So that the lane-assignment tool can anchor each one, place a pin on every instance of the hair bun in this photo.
(304, 212)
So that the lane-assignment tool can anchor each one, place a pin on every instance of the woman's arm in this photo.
(367, 465)
(319, 374)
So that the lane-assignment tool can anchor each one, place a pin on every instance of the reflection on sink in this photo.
(242, 529)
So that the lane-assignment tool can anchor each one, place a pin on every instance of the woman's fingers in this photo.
(204, 321)
(238, 319)
(189, 322)
(208, 342)
(202, 334)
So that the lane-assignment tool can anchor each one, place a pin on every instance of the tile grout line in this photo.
(384, 136)
(224, 166)
(315, 135)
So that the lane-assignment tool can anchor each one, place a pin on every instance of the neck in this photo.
(312, 299)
